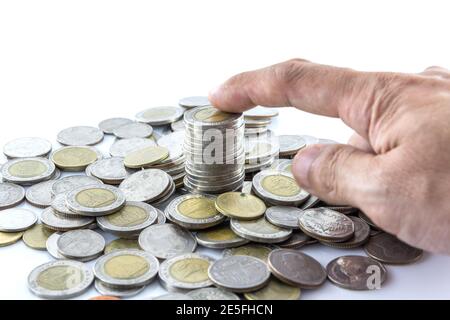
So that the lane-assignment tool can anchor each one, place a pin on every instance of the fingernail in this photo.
(302, 164)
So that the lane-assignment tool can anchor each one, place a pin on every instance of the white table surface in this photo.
(427, 279)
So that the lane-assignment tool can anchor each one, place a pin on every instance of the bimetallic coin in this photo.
(27, 170)
(386, 248)
(80, 136)
(166, 241)
(28, 147)
(260, 230)
(10, 195)
(145, 157)
(110, 170)
(297, 240)
(240, 205)
(104, 289)
(361, 236)
(157, 116)
(296, 268)
(145, 185)
(284, 216)
(8, 238)
(212, 294)
(16, 219)
(356, 273)
(130, 220)
(69, 183)
(120, 244)
(60, 223)
(133, 130)
(173, 296)
(52, 246)
(220, 237)
(275, 290)
(122, 147)
(185, 272)
(75, 158)
(194, 101)
(108, 125)
(40, 195)
(127, 268)
(239, 273)
(96, 200)
(36, 237)
(60, 207)
(279, 188)
(326, 225)
(258, 251)
(81, 244)
(62, 279)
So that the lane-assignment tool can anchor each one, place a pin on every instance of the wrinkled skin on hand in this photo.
(395, 168)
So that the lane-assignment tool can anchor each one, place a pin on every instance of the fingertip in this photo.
(302, 164)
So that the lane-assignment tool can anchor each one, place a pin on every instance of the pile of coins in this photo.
(214, 150)
(258, 119)
(160, 205)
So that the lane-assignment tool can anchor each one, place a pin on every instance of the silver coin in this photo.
(284, 216)
(97, 200)
(130, 268)
(105, 290)
(261, 112)
(69, 183)
(57, 222)
(177, 125)
(194, 101)
(108, 125)
(145, 185)
(360, 237)
(52, 246)
(297, 240)
(28, 147)
(174, 143)
(290, 144)
(311, 202)
(166, 241)
(325, 224)
(186, 272)
(133, 130)
(80, 136)
(59, 205)
(10, 195)
(131, 219)
(239, 273)
(212, 294)
(110, 170)
(220, 237)
(40, 195)
(157, 116)
(173, 296)
(310, 140)
(16, 219)
(122, 147)
(260, 230)
(27, 171)
(62, 279)
(161, 217)
(80, 244)
(278, 188)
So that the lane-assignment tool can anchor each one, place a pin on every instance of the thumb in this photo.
(337, 174)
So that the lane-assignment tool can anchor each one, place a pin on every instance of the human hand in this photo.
(396, 167)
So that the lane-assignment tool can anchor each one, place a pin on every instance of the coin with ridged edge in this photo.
(157, 116)
(27, 147)
(145, 157)
(284, 216)
(219, 237)
(260, 230)
(108, 125)
(360, 237)
(26, 171)
(10, 195)
(240, 205)
(122, 147)
(60, 223)
(104, 289)
(145, 185)
(40, 195)
(16, 219)
(133, 130)
(81, 244)
(109, 170)
(69, 183)
(75, 158)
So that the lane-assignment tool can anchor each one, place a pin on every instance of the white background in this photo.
(65, 63)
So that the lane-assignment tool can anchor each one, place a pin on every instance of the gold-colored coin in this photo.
(59, 278)
(253, 250)
(198, 208)
(126, 266)
(275, 290)
(120, 244)
(190, 270)
(128, 216)
(211, 115)
(27, 169)
(8, 238)
(220, 234)
(280, 185)
(74, 158)
(145, 157)
(36, 237)
(241, 206)
(95, 198)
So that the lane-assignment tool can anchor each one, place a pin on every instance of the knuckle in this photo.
(290, 71)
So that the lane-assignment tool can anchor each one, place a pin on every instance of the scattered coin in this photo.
(240, 205)
(10, 195)
(26, 171)
(29, 147)
(166, 241)
(220, 237)
(297, 240)
(355, 272)
(36, 237)
(185, 272)
(60, 223)
(62, 279)
(252, 249)
(75, 158)
(69, 183)
(80, 136)
(275, 290)
(178, 125)
(260, 230)
(261, 112)
(145, 185)
(16, 219)
(81, 244)
(284, 216)
(110, 170)
(8, 238)
(239, 273)
(40, 195)
(108, 125)
(52, 246)
(104, 289)
(60, 207)
(133, 130)
(157, 116)
(120, 244)
(126, 269)
(145, 157)
(296, 268)
(327, 225)
(173, 296)
(361, 235)
(122, 147)
(212, 294)
(290, 144)
(161, 217)
(386, 248)
(194, 101)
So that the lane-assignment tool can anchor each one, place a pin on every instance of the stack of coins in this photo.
(290, 144)
(258, 119)
(260, 152)
(214, 150)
